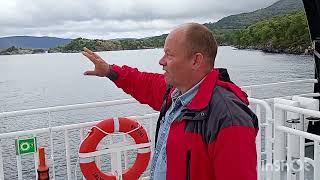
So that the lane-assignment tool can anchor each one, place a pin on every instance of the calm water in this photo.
(33, 81)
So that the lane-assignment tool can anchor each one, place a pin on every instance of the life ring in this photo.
(88, 165)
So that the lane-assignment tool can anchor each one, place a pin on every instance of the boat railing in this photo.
(65, 129)
(266, 138)
(70, 168)
(284, 147)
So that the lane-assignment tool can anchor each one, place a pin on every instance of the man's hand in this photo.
(101, 68)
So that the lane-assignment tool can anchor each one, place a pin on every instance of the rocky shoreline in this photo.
(97, 50)
(298, 50)
(15, 51)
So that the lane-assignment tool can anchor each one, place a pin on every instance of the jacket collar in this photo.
(206, 88)
(204, 94)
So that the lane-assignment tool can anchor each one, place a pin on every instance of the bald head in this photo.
(197, 38)
(189, 53)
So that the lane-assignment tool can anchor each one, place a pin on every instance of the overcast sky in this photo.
(108, 19)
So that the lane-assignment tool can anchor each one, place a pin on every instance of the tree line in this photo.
(286, 33)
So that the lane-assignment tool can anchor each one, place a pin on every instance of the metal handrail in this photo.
(66, 128)
(67, 107)
(117, 102)
(297, 110)
(279, 144)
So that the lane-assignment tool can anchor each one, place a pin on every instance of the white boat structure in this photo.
(288, 143)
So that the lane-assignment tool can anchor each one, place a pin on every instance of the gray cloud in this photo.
(112, 18)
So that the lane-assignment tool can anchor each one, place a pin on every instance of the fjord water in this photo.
(45, 80)
(41, 80)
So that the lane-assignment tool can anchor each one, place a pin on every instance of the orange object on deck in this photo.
(88, 166)
(43, 169)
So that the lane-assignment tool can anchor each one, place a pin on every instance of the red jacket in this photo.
(214, 137)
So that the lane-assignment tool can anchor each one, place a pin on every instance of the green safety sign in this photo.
(26, 146)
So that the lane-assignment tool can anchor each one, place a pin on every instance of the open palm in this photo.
(101, 67)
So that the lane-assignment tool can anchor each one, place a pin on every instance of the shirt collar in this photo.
(187, 96)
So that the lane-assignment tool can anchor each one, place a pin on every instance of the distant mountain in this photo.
(32, 42)
(243, 20)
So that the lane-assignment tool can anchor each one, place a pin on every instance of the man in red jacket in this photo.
(205, 129)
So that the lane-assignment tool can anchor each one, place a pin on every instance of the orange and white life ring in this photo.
(108, 126)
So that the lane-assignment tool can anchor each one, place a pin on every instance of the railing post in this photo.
(302, 155)
(116, 167)
(51, 144)
(279, 144)
(289, 156)
(35, 156)
(1, 158)
(316, 167)
(81, 131)
(269, 139)
(258, 143)
(19, 167)
(1, 163)
(67, 146)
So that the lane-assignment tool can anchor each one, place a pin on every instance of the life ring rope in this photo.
(142, 148)
(115, 132)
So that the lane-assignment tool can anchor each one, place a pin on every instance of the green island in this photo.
(76, 45)
(14, 51)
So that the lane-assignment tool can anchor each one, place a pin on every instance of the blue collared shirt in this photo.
(158, 168)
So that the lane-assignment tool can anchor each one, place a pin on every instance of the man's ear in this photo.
(198, 61)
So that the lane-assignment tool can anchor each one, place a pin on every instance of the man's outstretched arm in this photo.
(147, 88)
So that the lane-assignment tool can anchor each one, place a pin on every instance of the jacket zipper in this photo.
(188, 165)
